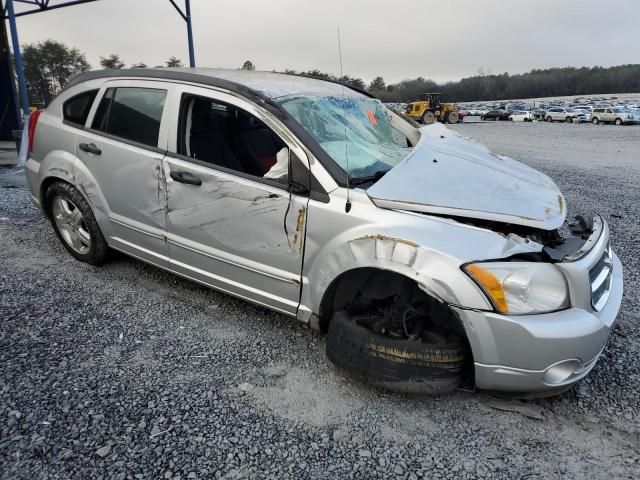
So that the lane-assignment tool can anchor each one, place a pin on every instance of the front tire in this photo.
(74, 224)
(595, 121)
(549, 119)
(428, 118)
(453, 117)
(618, 121)
(401, 365)
(568, 120)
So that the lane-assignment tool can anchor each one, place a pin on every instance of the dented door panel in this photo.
(238, 235)
(132, 184)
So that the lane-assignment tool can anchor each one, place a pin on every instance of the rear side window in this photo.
(131, 113)
(76, 109)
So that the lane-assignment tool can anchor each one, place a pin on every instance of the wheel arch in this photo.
(64, 167)
(343, 289)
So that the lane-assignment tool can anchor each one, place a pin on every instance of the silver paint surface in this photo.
(283, 251)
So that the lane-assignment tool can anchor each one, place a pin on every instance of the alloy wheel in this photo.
(71, 225)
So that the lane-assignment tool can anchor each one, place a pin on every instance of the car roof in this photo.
(270, 85)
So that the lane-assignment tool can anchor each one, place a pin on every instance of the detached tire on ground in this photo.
(407, 366)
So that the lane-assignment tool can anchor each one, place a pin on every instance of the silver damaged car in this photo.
(427, 259)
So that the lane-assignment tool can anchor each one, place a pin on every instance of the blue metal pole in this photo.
(22, 83)
(192, 57)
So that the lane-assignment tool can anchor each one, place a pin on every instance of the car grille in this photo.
(600, 279)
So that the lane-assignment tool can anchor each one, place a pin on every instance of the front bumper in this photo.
(533, 353)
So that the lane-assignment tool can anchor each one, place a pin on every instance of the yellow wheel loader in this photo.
(430, 109)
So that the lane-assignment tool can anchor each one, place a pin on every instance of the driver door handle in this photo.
(90, 148)
(186, 177)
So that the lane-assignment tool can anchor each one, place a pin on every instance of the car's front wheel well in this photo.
(374, 290)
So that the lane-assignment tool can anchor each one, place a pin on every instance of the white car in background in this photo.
(568, 115)
(521, 116)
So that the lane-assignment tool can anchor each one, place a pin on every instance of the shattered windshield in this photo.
(355, 132)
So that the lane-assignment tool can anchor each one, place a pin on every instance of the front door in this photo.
(231, 221)
(121, 149)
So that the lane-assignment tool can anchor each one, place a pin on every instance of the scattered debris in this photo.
(527, 409)
(155, 431)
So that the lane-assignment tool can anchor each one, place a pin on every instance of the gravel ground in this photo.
(128, 372)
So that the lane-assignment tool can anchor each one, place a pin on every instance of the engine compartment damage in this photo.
(552, 246)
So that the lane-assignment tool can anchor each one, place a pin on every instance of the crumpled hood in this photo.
(449, 174)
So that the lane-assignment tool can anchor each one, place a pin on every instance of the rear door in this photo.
(608, 115)
(122, 146)
(231, 221)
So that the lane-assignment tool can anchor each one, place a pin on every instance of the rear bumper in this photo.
(534, 353)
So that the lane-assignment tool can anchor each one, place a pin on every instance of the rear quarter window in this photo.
(76, 109)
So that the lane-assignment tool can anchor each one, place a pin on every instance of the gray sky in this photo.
(397, 39)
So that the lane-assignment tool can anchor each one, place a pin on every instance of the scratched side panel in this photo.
(235, 234)
(130, 180)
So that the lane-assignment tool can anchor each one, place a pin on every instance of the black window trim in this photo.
(75, 124)
(133, 143)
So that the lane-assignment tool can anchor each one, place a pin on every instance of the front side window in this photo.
(131, 113)
(226, 136)
(355, 132)
(76, 109)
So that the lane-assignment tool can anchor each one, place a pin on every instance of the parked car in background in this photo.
(619, 116)
(415, 266)
(495, 115)
(539, 114)
(478, 111)
(522, 116)
(562, 114)
(586, 111)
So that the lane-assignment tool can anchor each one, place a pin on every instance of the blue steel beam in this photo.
(17, 54)
(186, 16)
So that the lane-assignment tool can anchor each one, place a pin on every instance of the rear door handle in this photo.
(90, 148)
(186, 177)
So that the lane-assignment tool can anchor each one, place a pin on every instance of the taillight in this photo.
(33, 120)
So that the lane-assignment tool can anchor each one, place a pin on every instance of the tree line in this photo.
(49, 64)
(551, 82)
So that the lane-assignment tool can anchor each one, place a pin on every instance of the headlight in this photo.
(521, 287)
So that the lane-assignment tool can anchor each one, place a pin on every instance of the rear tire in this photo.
(97, 250)
(549, 119)
(399, 365)
(453, 117)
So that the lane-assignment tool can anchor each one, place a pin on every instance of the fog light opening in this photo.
(561, 372)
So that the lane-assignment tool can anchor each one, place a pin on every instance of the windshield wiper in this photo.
(368, 178)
